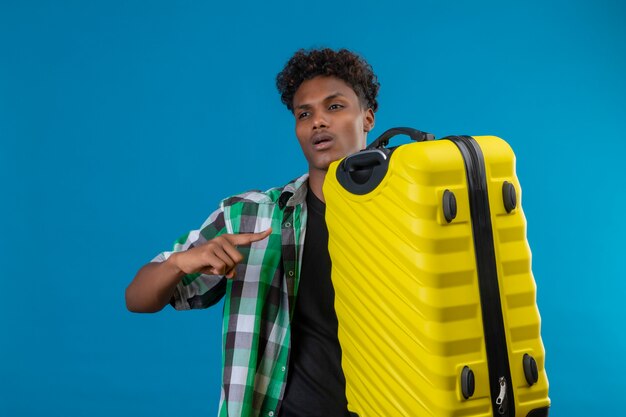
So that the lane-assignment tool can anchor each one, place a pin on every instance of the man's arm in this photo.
(155, 283)
(153, 286)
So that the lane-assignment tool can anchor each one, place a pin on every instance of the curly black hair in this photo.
(343, 64)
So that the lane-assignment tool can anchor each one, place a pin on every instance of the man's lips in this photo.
(322, 141)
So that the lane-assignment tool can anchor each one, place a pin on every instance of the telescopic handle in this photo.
(414, 134)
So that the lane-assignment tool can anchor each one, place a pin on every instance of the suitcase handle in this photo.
(366, 159)
(414, 134)
(361, 172)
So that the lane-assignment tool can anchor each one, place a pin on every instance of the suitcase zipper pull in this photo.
(502, 396)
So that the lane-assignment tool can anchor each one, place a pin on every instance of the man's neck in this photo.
(316, 181)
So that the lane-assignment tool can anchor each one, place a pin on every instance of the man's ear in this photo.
(368, 121)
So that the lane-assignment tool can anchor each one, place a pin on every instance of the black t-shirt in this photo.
(316, 385)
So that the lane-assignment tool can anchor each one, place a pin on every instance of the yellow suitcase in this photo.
(433, 285)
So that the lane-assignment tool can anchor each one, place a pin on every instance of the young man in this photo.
(267, 254)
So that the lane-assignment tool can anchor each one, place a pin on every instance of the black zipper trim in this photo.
(491, 304)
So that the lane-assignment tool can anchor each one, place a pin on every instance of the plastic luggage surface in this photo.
(434, 293)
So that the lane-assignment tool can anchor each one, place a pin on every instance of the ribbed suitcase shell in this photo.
(406, 286)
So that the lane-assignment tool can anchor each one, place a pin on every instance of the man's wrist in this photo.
(173, 264)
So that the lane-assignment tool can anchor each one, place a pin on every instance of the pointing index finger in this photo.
(247, 238)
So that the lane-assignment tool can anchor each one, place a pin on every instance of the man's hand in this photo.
(218, 256)
(155, 283)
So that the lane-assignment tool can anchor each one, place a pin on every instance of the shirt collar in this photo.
(294, 193)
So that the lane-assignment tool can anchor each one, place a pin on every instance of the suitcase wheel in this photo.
(509, 196)
(530, 369)
(449, 205)
(467, 382)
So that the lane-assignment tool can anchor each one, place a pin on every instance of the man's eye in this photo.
(303, 115)
(335, 106)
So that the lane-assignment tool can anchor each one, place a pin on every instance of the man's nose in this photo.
(319, 121)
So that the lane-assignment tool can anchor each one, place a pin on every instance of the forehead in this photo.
(319, 88)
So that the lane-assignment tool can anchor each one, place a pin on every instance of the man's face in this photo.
(330, 122)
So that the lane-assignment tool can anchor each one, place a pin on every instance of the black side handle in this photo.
(414, 134)
(364, 160)
(361, 172)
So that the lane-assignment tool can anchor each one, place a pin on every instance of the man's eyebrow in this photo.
(334, 95)
(330, 97)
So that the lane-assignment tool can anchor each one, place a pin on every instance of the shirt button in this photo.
(283, 369)
(271, 414)
(287, 224)
(290, 273)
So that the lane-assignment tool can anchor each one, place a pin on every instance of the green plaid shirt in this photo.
(259, 301)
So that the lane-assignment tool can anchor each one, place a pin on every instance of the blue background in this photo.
(122, 124)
